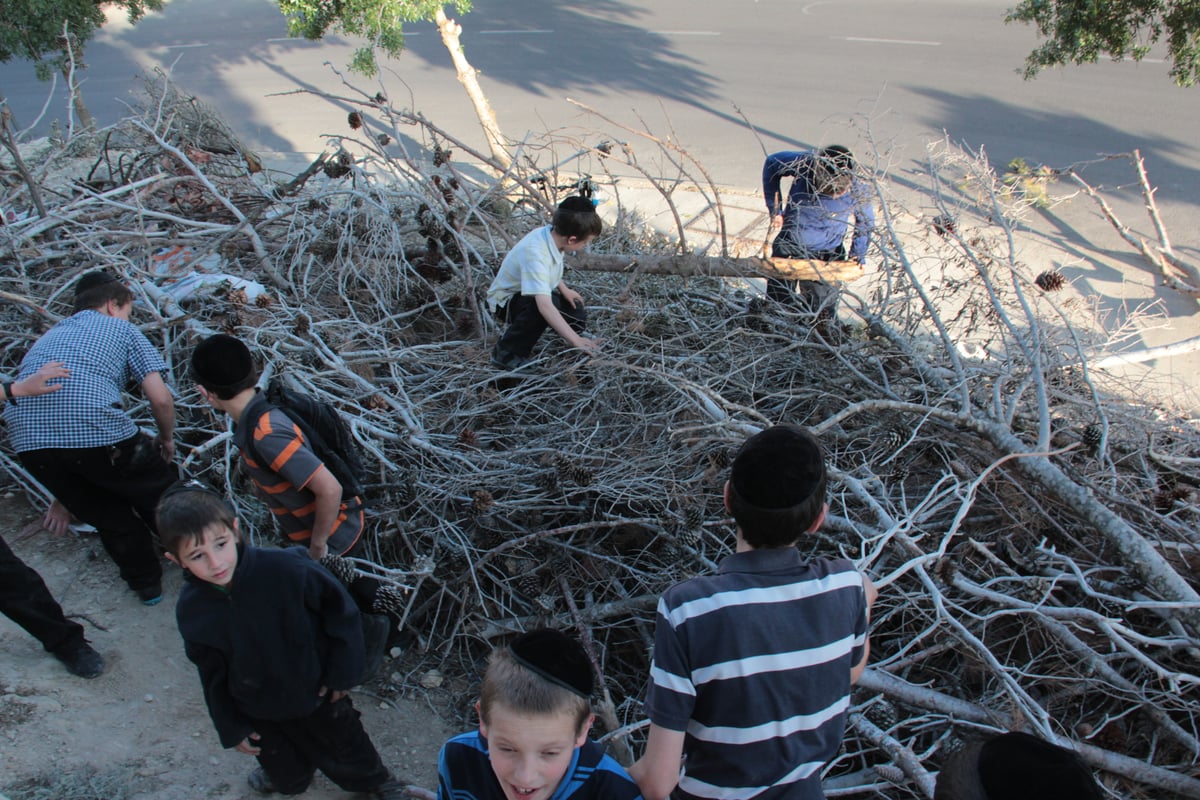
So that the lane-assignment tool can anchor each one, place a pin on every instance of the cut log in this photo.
(751, 267)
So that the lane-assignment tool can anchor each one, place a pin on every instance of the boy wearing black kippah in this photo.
(753, 666)
(529, 292)
(532, 743)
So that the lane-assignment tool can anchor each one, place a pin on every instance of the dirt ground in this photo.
(141, 730)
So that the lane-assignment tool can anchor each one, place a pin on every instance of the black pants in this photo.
(815, 297)
(526, 323)
(25, 600)
(115, 489)
(331, 739)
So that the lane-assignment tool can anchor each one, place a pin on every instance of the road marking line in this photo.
(182, 46)
(805, 10)
(505, 33)
(889, 41)
(685, 33)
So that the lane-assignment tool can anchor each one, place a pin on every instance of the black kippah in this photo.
(778, 468)
(576, 203)
(556, 657)
(94, 279)
(221, 361)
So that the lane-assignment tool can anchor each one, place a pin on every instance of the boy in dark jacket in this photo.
(278, 643)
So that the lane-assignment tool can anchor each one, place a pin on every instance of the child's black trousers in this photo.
(331, 739)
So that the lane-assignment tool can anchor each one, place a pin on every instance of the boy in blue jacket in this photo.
(532, 744)
(815, 217)
(278, 643)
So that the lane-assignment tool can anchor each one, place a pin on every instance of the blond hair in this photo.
(520, 689)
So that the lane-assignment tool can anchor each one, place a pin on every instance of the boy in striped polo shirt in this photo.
(753, 666)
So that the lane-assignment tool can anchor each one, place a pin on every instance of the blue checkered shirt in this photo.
(105, 354)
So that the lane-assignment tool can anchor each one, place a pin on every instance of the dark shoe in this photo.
(82, 660)
(507, 361)
(260, 782)
(391, 789)
(150, 595)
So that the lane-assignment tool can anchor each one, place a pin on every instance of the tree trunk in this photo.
(468, 77)
(688, 264)
(81, 110)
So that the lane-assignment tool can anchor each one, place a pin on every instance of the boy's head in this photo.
(1015, 766)
(98, 288)
(198, 531)
(576, 221)
(776, 487)
(534, 710)
(833, 171)
(223, 367)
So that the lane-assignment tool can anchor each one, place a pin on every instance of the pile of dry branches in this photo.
(1034, 538)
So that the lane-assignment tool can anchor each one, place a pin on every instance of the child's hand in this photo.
(588, 345)
(573, 297)
(57, 519)
(248, 745)
(317, 551)
(334, 696)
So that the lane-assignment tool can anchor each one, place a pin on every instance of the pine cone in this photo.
(1092, 435)
(581, 475)
(528, 584)
(688, 537)
(468, 438)
(408, 487)
(388, 600)
(481, 501)
(943, 224)
(562, 466)
(882, 713)
(355, 120)
(1050, 281)
(339, 165)
(546, 602)
(383, 139)
(342, 569)
(693, 517)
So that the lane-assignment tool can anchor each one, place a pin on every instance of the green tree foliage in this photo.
(380, 22)
(33, 29)
(1080, 31)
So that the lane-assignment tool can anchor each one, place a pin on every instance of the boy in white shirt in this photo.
(529, 293)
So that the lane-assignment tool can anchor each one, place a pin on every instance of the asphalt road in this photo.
(719, 77)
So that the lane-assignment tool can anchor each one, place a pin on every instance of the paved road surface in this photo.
(802, 72)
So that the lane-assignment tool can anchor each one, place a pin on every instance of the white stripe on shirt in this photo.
(775, 729)
(786, 593)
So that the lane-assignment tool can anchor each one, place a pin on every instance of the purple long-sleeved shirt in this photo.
(814, 221)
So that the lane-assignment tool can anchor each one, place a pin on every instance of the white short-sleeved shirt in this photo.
(533, 267)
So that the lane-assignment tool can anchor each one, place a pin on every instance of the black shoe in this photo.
(507, 361)
(82, 660)
(391, 789)
(260, 782)
(150, 595)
